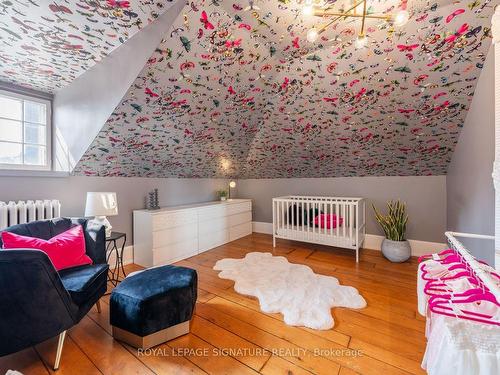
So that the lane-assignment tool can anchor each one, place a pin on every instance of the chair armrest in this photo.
(95, 240)
(34, 305)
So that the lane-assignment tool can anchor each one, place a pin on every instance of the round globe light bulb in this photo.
(307, 10)
(360, 42)
(232, 184)
(312, 35)
(401, 18)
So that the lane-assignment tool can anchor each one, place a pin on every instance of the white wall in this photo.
(424, 195)
(131, 193)
(81, 109)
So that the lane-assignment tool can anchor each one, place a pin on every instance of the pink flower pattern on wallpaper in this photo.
(45, 44)
(240, 92)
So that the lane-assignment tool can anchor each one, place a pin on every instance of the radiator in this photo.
(13, 213)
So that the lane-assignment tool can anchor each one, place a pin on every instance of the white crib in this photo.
(332, 221)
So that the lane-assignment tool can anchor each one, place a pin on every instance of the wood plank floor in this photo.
(230, 335)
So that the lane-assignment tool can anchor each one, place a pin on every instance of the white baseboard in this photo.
(372, 241)
(418, 248)
(262, 227)
(128, 256)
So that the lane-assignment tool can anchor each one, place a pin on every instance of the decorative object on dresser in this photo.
(153, 306)
(232, 185)
(222, 194)
(112, 248)
(100, 205)
(22, 212)
(153, 200)
(174, 233)
(332, 221)
(294, 290)
(394, 246)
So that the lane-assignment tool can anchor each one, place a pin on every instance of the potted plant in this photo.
(395, 247)
(222, 194)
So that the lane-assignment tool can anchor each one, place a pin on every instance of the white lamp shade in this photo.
(101, 204)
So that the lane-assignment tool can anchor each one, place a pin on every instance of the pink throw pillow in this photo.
(64, 250)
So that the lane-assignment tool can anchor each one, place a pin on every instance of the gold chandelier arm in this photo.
(345, 15)
(362, 32)
(348, 10)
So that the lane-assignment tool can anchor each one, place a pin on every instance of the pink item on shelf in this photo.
(328, 220)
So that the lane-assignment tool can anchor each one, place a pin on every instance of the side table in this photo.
(112, 247)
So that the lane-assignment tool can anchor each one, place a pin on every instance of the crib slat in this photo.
(324, 217)
(343, 215)
(331, 219)
(337, 211)
(350, 223)
(308, 214)
(302, 208)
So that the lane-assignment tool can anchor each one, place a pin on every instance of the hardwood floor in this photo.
(230, 335)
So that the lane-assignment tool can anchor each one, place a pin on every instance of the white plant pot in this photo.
(223, 198)
(396, 251)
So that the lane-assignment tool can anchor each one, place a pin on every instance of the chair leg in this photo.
(98, 306)
(60, 344)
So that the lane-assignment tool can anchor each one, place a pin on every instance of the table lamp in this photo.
(100, 205)
(232, 185)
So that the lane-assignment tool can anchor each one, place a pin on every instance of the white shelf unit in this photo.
(174, 233)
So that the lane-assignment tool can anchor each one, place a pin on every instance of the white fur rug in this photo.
(303, 297)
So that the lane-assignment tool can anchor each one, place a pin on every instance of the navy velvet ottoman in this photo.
(153, 306)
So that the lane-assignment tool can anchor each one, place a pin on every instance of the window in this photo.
(24, 132)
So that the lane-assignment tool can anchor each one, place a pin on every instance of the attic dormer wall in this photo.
(81, 108)
(469, 185)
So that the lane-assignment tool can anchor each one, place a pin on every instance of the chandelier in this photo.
(358, 9)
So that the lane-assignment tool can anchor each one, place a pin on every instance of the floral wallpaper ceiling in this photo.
(235, 89)
(46, 44)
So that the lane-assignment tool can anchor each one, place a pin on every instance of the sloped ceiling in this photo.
(238, 92)
(45, 45)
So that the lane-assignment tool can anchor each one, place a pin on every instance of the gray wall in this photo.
(131, 193)
(424, 195)
(470, 192)
(81, 109)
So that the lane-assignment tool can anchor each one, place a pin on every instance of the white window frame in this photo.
(48, 134)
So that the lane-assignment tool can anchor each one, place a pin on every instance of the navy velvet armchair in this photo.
(36, 301)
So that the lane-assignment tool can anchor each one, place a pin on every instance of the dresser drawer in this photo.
(175, 252)
(213, 212)
(210, 240)
(174, 235)
(239, 207)
(174, 219)
(214, 225)
(239, 231)
(237, 219)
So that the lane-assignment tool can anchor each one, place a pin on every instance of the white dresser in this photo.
(173, 233)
